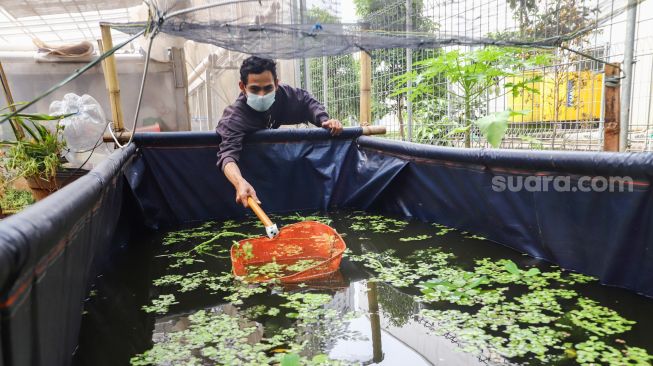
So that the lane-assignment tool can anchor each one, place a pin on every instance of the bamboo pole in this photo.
(18, 129)
(373, 130)
(365, 117)
(111, 79)
(375, 321)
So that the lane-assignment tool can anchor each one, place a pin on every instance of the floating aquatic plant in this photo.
(595, 352)
(443, 230)
(415, 238)
(464, 289)
(515, 312)
(161, 304)
(376, 223)
(598, 319)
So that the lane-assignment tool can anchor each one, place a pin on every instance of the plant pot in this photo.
(42, 187)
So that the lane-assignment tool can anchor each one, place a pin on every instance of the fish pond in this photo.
(407, 293)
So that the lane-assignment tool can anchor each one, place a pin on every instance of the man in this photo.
(263, 103)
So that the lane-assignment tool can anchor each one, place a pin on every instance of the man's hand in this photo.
(334, 125)
(244, 190)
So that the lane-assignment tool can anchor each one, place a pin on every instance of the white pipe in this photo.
(627, 82)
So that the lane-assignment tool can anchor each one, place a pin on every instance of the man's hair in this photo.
(257, 65)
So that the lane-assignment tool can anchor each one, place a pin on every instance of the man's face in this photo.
(259, 84)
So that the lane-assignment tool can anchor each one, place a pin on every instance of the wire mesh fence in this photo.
(561, 104)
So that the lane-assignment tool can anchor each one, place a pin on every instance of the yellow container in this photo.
(575, 95)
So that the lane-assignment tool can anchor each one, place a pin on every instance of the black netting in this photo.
(281, 39)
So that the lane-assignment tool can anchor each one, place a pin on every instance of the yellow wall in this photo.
(578, 97)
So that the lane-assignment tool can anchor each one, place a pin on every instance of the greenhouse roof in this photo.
(59, 21)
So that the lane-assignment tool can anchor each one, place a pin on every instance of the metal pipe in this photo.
(627, 82)
(325, 88)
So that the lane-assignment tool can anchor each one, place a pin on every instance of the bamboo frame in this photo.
(111, 79)
(365, 117)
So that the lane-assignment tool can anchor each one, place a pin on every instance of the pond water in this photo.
(407, 293)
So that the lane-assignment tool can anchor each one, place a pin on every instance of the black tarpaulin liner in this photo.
(49, 252)
(48, 256)
(605, 234)
(290, 171)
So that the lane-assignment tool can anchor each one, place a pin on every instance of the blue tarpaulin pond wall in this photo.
(50, 252)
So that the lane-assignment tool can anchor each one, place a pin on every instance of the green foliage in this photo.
(472, 76)
(594, 352)
(15, 199)
(376, 223)
(244, 250)
(500, 307)
(161, 304)
(463, 289)
(217, 337)
(298, 217)
(415, 238)
(558, 18)
(40, 153)
(40, 156)
(599, 319)
(399, 273)
(494, 125)
(443, 229)
(506, 271)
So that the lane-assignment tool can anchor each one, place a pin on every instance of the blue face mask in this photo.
(260, 103)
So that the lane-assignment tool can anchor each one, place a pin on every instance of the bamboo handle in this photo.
(259, 212)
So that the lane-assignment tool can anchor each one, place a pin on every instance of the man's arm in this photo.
(243, 188)
(317, 114)
(230, 147)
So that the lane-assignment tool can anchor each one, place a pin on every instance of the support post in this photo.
(18, 129)
(611, 97)
(209, 100)
(365, 117)
(111, 79)
(409, 68)
(375, 321)
(325, 88)
(178, 58)
(627, 84)
(306, 64)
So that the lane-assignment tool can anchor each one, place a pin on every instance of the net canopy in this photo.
(272, 29)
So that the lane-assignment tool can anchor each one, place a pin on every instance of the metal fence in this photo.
(566, 111)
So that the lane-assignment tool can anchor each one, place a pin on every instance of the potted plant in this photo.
(36, 155)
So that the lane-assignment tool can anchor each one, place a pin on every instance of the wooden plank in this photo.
(611, 103)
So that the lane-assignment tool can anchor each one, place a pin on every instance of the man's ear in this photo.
(241, 85)
(276, 83)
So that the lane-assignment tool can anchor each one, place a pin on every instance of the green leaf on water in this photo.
(320, 358)
(511, 267)
(290, 359)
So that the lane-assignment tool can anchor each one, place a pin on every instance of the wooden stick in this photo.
(259, 212)
(611, 103)
(373, 130)
(365, 117)
(122, 136)
(111, 79)
(18, 129)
